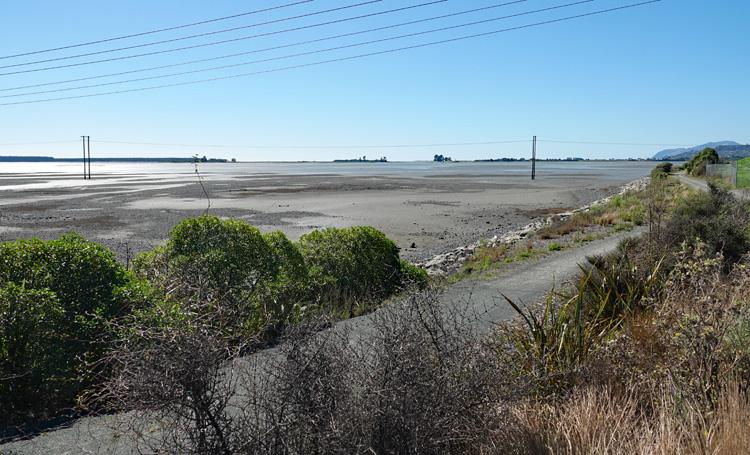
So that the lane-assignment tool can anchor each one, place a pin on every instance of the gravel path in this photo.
(528, 282)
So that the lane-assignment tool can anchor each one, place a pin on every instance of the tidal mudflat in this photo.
(427, 208)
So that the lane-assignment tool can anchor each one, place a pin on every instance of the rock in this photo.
(443, 264)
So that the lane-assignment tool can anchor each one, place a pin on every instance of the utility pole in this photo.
(86, 150)
(533, 159)
(88, 146)
(83, 139)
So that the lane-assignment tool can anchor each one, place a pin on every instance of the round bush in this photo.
(411, 275)
(290, 288)
(229, 271)
(76, 286)
(229, 254)
(32, 357)
(351, 264)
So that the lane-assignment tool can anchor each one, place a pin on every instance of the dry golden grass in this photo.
(574, 223)
(607, 219)
(598, 421)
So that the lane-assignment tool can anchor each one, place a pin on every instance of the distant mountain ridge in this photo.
(725, 149)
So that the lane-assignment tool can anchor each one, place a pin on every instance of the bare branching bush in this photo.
(177, 381)
(418, 380)
(412, 378)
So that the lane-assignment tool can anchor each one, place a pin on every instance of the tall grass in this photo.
(601, 421)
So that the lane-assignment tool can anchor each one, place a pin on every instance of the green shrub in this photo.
(635, 214)
(351, 265)
(291, 287)
(228, 269)
(717, 218)
(34, 367)
(553, 341)
(661, 171)
(81, 281)
(228, 254)
(697, 164)
(554, 246)
(665, 167)
(411, 275)
(84, 275)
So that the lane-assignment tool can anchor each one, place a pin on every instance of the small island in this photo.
(363, 159)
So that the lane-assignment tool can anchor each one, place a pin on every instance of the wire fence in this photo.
(743, 173)
(736, 173)
(726, 172)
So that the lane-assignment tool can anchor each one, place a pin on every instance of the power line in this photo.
(13, 144)
(215, 32)
(301, 54)
(134, 35)
(341, 59)
(377, 146)
(214, 43)
(627, 144)
(354, 146)
(299, 43)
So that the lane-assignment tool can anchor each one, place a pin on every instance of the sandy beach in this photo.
(426, 209)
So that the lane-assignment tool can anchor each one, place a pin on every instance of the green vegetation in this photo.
(659, 329)
(716, 218)
(57, 298)
(661, 170)
(64, 304)
(620, 213)
(32, 355)
(697, 164)
(351, 266)
(743, 173)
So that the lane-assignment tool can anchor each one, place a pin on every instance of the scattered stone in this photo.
(446, 263)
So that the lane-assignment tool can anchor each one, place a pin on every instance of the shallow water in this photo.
(620, 169)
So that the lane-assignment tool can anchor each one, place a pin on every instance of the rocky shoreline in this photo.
(450, 262)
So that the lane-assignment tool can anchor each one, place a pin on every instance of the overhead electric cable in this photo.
(151, 32)
(341, 59)
(255, 51)
(11, 144)
(627, 144)
(301, 54)
(455, 144)
(214, 43)
(215, 32)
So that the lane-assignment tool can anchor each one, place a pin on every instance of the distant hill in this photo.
(725, 149)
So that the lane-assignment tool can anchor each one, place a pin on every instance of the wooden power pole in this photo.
(86, 159)
(533, 158)
(83, 139)
(88, 146)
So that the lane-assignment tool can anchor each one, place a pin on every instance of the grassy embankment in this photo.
(620, 213)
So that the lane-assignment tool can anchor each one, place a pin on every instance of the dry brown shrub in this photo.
(415, 377)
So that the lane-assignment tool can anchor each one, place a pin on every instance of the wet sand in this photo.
(425, 214)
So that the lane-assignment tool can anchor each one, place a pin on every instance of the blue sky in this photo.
(674, 72)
